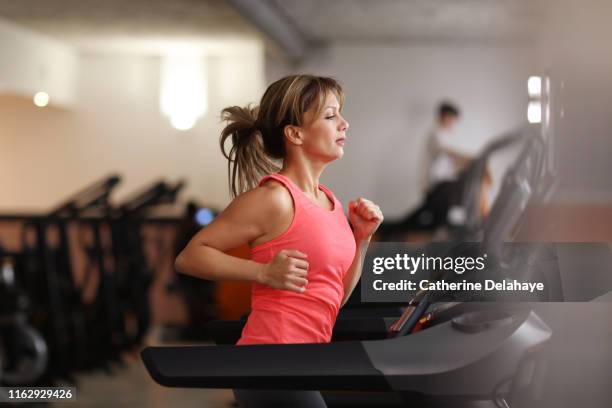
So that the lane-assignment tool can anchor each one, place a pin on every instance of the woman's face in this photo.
(324, 135)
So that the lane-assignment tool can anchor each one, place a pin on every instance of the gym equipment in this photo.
(133, 274)
(58, 310)
(108, 309)
(460, 198)
(450, 362)
(23, 351)
(350, 328)
(119, 311)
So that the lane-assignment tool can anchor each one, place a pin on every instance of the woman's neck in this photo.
(305, 176)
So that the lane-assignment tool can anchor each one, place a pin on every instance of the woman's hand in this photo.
(287, 270)
(365, 217)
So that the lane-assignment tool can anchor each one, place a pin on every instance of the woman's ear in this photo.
(294, 134)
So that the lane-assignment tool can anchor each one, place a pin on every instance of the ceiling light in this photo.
(41, 99)
(534, 86)
(534, 112)
(183, 90)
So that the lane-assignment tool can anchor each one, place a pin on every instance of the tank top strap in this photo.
(331, 195)
(293, 190)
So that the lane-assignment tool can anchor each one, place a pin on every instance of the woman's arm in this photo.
(354, 273)
(254, 215)
(365, 217)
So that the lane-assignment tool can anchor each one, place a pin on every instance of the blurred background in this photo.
(110, 159)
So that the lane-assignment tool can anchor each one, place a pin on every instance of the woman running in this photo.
(305, 257)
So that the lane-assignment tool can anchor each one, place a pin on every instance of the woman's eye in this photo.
(330, 117)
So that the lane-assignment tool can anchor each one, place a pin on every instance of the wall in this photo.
(392, 92)
(31, 62)
(115, 126)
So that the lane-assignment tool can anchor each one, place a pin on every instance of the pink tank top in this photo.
(281, 316)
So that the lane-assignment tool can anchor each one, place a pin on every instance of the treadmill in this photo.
(469, 359)
(464, 198)
(463, 360)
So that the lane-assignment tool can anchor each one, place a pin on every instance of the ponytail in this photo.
(257, 133)
(248, 161)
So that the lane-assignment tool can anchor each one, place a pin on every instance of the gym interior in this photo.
(110, 163)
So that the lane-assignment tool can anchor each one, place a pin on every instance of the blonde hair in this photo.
(257, 133)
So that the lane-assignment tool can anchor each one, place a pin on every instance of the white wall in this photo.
(392, 92)
(31, 62)
(115, 126)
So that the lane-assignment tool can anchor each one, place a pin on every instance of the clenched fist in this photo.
(365, 217)
(287, 270)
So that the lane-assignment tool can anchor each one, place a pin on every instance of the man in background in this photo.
(444, 160)
(445, 154)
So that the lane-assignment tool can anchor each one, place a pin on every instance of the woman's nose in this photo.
(344, 125)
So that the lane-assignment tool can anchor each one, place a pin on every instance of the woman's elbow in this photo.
(195, 260)
(180, 263)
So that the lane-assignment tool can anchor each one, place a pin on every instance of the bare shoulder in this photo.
(276, 195)
(269, 200)
(250, 218)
